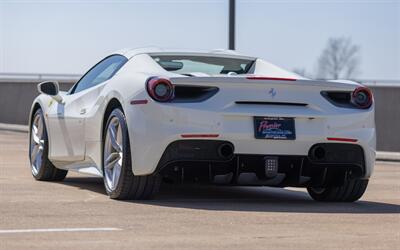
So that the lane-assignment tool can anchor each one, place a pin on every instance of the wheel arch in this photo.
(111, 105)
(35, 107)
(40, 103)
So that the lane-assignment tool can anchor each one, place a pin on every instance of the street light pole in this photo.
(231, 25)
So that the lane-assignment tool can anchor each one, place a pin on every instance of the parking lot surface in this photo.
(77, 214)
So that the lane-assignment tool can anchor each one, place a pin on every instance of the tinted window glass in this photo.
(101, 72)
(183, 64)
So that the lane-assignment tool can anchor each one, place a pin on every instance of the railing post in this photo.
(231, 42)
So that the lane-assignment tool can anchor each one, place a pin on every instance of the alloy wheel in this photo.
(37, 144)
(113, 153)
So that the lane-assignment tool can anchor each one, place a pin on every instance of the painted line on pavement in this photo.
(49, 230)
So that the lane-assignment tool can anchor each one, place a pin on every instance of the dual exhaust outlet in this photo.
(225, 151)
(317, 153)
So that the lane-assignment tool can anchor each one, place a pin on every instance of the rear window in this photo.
(184, 64)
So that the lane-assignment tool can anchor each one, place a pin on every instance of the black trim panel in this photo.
(271, 103)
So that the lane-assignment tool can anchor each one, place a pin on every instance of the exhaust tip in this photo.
(225, 151)
(318, 153)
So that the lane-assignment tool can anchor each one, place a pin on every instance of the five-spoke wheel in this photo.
(113, 153)
(36, 144)
(42, 169)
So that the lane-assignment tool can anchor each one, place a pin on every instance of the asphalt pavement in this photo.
(77, 214)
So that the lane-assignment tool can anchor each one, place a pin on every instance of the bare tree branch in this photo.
(339, 59)
(302, 72)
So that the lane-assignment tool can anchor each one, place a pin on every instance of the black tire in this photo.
(350, 191)
(129, 187)
(47, 171)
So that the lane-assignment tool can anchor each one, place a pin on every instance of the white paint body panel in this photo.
(75, 138)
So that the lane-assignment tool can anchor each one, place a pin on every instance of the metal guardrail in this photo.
(380, 83)
(11, 76)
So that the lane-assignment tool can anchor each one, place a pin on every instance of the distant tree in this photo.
(302, 72)
(339, 59)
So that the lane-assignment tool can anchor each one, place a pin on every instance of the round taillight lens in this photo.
(362, 97)
(160, 89)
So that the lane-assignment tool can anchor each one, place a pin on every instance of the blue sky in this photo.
(70, 36)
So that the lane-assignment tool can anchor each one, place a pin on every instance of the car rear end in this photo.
(249, 130)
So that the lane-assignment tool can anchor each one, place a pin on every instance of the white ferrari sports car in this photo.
(143, 116)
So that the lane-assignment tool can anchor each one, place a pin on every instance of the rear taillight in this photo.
(362, 97)
(160, 89)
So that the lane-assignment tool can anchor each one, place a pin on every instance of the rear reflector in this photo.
(341, 139)
(270, 78)
(135, 102)
(199, 135)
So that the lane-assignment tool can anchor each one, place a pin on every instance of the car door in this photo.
(66, 129)
(67, 120)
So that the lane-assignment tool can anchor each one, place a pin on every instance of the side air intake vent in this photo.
(338, 97)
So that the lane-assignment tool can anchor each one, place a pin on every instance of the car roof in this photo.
(130, 52)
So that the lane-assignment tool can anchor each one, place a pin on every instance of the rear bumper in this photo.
(154, 126)
(202, 160)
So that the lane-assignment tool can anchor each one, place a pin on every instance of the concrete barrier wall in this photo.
(16, 98)
(387, 117)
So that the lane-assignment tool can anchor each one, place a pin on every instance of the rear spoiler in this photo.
(262, 80)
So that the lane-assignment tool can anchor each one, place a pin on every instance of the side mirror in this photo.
(50, 88)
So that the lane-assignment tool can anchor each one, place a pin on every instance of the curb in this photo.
(14, 127)
(380, 155)
(387, 156)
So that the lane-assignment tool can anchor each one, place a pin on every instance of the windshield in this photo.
(211, 65)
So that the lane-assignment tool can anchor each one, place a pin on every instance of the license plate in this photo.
(275, 128)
